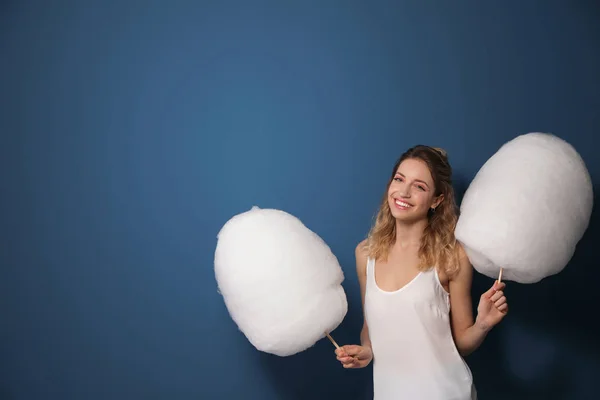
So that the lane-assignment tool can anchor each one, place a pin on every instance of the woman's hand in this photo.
(354, 356)
(492, 307)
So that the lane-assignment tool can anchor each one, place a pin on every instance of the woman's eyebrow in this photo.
(416, 180)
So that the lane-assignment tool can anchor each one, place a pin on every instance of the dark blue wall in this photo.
(131, 131)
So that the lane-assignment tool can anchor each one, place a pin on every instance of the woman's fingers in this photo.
(352, 349)
(352, 356)
(497, 296)
(345, 359)
(500, 301)
(349, 362)
(353, 364)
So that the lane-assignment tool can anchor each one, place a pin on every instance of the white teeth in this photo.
(402, 204)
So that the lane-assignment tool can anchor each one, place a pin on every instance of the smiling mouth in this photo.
(402, 204)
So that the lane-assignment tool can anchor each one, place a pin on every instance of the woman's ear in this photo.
(437, 201)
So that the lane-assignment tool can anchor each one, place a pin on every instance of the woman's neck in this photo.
(409, 234)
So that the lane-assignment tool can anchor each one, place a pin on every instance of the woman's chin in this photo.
(401, 214)
(407, 216)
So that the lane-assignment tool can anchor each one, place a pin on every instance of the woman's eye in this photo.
(421, 188)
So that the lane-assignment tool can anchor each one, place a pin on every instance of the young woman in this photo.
(415, 282)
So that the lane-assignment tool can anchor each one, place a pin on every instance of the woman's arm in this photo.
(468, 334)
(353, 356)
(361, 272)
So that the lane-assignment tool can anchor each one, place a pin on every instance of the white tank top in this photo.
(414, 355)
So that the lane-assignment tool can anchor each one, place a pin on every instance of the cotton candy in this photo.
(280, 281)
(526, 209)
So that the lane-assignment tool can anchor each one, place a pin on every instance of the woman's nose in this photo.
(404, 192)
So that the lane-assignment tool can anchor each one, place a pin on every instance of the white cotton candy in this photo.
(280, 281)
(526, 209)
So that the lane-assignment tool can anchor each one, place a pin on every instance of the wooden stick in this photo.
(500, 276)
(332, 341)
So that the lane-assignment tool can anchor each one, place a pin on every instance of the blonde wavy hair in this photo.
(438, 247)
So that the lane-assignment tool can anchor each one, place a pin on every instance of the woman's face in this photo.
(412, 192)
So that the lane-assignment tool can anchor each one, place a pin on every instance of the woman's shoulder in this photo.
(460, 250)
(362, 249)
(463, 265)
(361, 253)
(461, 253)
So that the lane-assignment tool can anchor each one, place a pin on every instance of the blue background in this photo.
(132, 131)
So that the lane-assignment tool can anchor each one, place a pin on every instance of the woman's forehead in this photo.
(415, 169)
